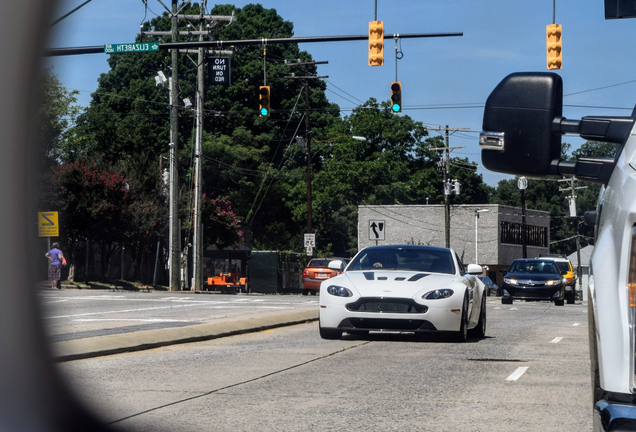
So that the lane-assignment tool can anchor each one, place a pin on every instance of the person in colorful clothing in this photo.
(55, 257)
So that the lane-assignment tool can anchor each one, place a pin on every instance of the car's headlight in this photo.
(510, 281)
(339, 291)
(551, 282)
(438, 294)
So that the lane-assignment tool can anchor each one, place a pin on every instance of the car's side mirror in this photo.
(503, 271)
(335, 265)
(523, 125)
(591, 217)
(474, 269)
(518, 137)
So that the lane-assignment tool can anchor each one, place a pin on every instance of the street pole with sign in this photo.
(522, 184)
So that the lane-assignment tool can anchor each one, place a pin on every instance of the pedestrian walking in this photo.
(56, 260)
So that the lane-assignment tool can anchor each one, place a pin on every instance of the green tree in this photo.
(129, 115)
(395, 165)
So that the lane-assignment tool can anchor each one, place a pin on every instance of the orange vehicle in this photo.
(232, 282)
(317, 271)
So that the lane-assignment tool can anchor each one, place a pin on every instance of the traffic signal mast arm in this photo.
(228, 43)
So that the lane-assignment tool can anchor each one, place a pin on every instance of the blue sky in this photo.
(445, 81)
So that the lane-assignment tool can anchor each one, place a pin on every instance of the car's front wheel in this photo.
(327, 333)
(570, 296)
(480, 330)
(462, 334)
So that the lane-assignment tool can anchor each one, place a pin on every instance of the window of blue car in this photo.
(405, 259)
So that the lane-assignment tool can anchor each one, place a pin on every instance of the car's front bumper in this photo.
(614, 416)
(533, 293)
(441, 318)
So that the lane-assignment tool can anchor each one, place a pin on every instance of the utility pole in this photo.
(572, 203)
(305, 78)
(446, 169)
(175, 261)
(174, 247)
(196, 218)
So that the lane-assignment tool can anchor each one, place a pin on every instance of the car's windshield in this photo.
(407, 259)
(533, 266)
(563, 266)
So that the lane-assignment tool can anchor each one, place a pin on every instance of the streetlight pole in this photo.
(476, 233)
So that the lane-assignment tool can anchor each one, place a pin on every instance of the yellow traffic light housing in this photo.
(376, 43)
(553, 42)
(263, 101)
(396, 97)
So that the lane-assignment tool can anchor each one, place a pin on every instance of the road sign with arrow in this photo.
(376, 229)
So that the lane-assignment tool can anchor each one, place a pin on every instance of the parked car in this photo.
(565, 267)
(318, 270)
(491, 287)
(409, 288)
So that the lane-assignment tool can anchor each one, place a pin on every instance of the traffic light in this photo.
(396, 97)
(376, 43)
(263, 101)
(553, 42)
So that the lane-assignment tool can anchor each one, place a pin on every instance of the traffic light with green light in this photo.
(396, 97)
(376, 43)
(263, 101)
(553, 42)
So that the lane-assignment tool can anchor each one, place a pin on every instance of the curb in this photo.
(128, 342)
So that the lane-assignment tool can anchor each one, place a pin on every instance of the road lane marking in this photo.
(556, 340)
(117, 311)
(496, 308)
(517, 373)
(154, 320)
(57, 301)
(575, 324)
(514, 308)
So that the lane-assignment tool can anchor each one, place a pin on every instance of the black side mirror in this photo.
(523, 125)
(518, 137)
(591, 217)
(503, 271)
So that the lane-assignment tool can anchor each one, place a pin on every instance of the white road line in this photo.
(57, 301)
(517, 374)
(130, 319)
(117, 311)
(575, 324)
(556, 340)
(514, 308)
(496, 308)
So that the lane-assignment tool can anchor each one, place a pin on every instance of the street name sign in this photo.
(48, 224)
(131, 47)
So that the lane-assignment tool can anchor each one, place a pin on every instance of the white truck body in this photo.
(522, 135)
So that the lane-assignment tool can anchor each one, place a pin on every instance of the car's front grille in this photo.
(386, 305)
(386, 324)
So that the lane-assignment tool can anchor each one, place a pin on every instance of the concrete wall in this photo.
(424, 224)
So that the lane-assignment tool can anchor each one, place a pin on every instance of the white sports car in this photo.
(404, 288)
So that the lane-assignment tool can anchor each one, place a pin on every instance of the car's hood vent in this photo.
(371, 276)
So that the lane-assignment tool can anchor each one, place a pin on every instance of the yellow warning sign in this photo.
(48, 225)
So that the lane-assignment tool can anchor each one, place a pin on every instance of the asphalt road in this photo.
(79, 314)
(530, 373)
